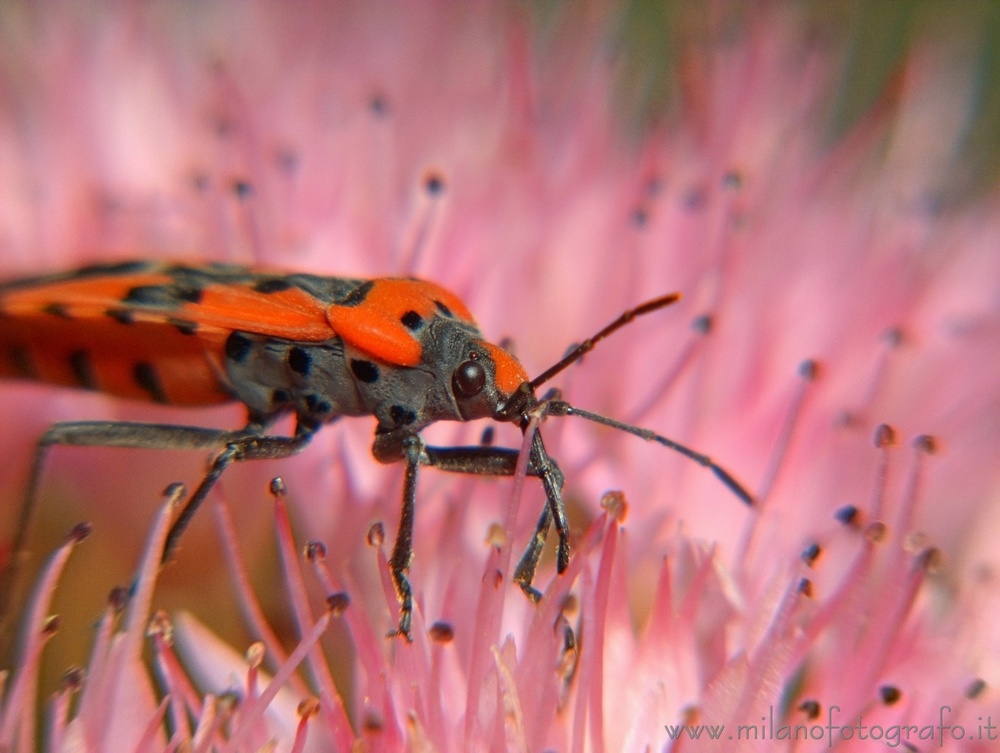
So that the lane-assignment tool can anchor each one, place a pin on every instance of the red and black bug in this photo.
(404, 351)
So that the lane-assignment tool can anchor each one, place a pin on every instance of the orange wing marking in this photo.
(375, 325)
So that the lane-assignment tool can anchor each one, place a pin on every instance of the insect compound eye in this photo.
(469, 379)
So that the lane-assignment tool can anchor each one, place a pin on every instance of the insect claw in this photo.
(524, 573)
(404, 628)
(533, 594)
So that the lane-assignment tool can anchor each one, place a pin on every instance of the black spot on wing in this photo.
(329, 290)
(112, 269)
(208, 274)
(238, 347)
(412, 320)
(83, 369)
(21, 362)
(122, 316)
(188, 294)
(272, 285)
(58, 309)
(148, 380)
(357, 296)
(150, 295)
(365, 371)
(163, 296)
(299, 360)
(184, 326)
(444, 309)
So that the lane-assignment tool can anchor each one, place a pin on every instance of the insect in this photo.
(404, 351)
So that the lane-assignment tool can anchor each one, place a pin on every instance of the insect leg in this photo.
(524, 573)
(240, 448)
(238, 445)
(90, 433)
(394, 445)
(502, 461)
(402, 550)
(555, 510)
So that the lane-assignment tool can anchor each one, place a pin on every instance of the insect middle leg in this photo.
(249, 443)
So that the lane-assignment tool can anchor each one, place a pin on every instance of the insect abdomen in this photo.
(149, 361)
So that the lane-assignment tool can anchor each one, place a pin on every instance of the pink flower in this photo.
(842, 291)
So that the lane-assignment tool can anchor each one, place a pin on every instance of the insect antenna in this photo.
(557, 407)
(588, 345)
(562, 408)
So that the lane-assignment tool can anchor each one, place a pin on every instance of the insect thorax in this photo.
(272, 376)
(320, 382)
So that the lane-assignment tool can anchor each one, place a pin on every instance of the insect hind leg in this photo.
(234, 446)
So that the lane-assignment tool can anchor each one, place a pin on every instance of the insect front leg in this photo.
(394, 445)
(555, 509)
(502, 461)
(402, 550)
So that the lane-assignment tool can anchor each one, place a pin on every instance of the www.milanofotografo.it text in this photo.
(837, 729)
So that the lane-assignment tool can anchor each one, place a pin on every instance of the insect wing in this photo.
(198, 297)
(146, 331)
(386, 316)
